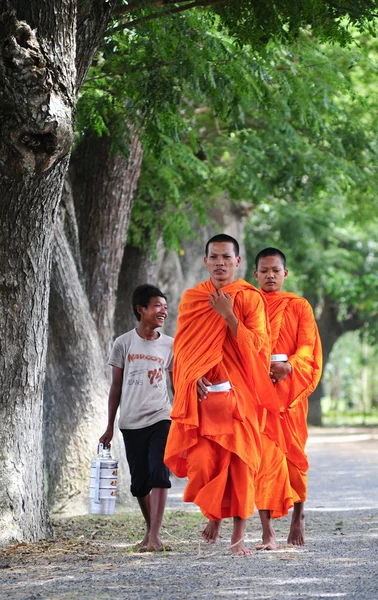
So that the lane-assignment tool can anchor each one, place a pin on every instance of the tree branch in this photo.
(123, 9)
(157, 15)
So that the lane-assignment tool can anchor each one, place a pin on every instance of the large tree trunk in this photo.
(76, 384)
(36, 133)
(37, 98)
(138, 266)
(104, 184)
(86, 265)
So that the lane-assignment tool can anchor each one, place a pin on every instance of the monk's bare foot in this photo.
(238, 547)
(297, 531)
(212, 531)
(267, 545)
(269, 541)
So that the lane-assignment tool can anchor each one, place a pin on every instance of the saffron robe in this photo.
(216, 442)
(293, 332)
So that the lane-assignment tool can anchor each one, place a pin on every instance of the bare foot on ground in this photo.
(297, 532)
(212, 531)
(269, 541)
(238, 547)
(267, 545)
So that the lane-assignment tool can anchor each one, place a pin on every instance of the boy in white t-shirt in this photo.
(140, 360)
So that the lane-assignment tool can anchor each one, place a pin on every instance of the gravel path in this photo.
(94, 558)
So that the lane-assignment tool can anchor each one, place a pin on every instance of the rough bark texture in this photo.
(76, 383)
(104, 184)
(86, 264)
(37, 98)
(36, 132)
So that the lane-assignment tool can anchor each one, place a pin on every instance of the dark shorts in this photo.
(145, 454)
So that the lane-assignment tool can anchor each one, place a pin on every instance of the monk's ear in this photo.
(238, 260)
(286, 273)
(255, 274)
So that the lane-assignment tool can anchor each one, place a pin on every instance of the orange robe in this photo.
(216, 442)
(293, 332)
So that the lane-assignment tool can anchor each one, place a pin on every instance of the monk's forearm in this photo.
(232, 323)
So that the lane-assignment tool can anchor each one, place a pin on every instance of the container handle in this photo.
(97, 476)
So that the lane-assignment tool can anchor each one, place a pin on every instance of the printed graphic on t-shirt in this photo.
(155, 377)
(132, 357)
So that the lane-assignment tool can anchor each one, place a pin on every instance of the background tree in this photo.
(46, 50)
(214, 119)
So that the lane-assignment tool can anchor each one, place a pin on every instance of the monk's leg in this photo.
(298, 480)
(269, 541)
(297, 528)
(144, 504)
(212, 531)
(237, 539)
(158, 498)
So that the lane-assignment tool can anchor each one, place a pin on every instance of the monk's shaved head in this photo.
(270, 252)
(223, 237)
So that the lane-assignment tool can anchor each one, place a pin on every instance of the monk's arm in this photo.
(306, 335)
(253, 326)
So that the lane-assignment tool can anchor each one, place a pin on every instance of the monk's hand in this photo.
(279, 370)
(221, 303)
(201, 388)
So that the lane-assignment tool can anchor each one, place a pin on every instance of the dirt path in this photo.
(93, 557)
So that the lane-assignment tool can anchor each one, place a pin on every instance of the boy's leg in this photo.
(159, 482)
(145, 507)
(237, 539)
(136, 445)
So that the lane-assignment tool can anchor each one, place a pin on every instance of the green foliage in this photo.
(288, 123)
(161, 209)
(258, 22)
(327, 256)
(351, 382)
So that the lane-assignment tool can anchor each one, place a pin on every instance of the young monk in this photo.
(221, 375)
(293, 333)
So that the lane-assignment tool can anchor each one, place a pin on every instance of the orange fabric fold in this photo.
(294, 332)
(204, 346)
(274, 491)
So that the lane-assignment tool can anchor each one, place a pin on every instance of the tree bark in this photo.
(36, 133)
(104, 184)
(37, 99)
(76, 384)
(86, 266)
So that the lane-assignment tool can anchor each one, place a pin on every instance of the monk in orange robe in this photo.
(295, 371)
(221, 344)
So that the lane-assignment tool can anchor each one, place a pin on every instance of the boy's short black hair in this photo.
(142, 296)
(223, 237)
(270, 252)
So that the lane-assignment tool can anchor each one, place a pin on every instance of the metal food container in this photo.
(103, 483)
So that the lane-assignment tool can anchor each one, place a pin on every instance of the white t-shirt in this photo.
(144, 397)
